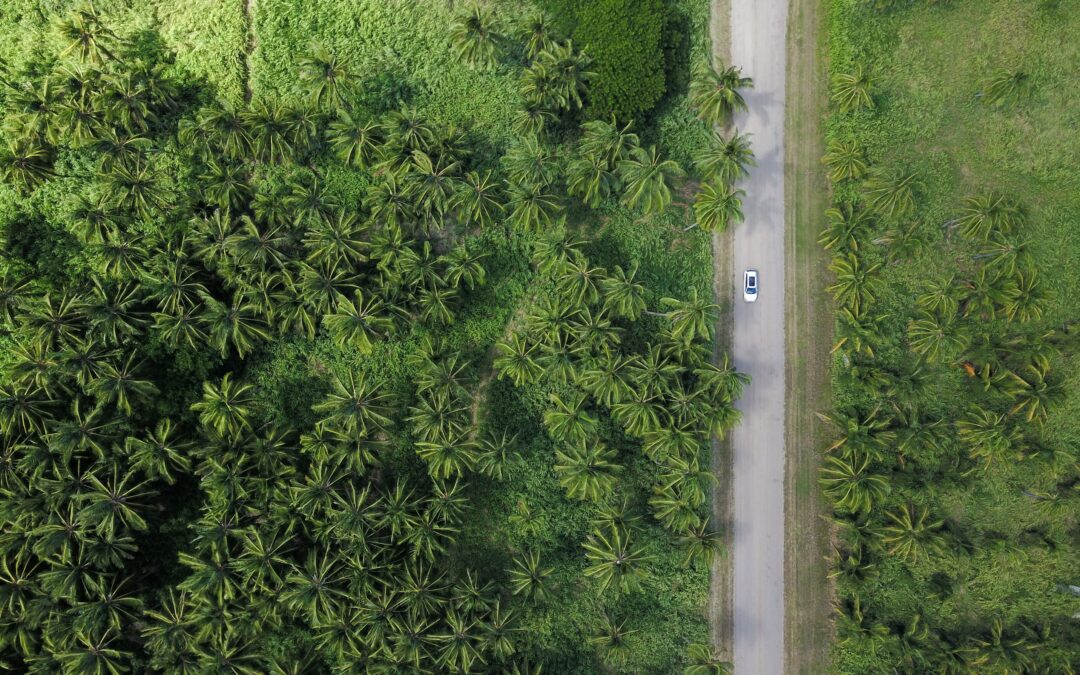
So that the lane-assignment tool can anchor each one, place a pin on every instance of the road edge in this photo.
(808, 338)
(720, 577)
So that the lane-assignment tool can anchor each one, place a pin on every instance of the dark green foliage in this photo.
(623, 37)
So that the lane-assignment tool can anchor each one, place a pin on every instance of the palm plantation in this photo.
(254, 422)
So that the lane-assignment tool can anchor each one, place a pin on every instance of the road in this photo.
(758, 46)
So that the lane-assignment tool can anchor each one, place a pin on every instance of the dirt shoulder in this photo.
(720, 589)
(809, 338)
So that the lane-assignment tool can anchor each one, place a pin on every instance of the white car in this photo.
(749, 286)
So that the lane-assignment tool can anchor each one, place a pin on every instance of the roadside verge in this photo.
(809, 338)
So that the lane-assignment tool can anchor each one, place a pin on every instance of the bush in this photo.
(624, 39)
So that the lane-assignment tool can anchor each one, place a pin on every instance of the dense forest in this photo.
(954, 474)
(320, 382)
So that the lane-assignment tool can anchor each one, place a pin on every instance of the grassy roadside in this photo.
(809, 333)
(720, 578)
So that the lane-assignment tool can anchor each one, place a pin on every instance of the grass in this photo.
(208, 36)
(929, 65)
(809, 332)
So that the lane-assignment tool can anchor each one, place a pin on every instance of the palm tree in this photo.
(590, 179)
(725, 160)
(608, 378)
(528, 577)
(623, 296)
(337, 240)
(409, 130)
(537, 34)
(432, 184)
(587, 470)
(579, 282)
(326, 77)
(93, 652)
(857, 333)
(851, 91)
(559, 77)
(568, 421)
(860, 433)
(856, 285)
(715, 95)
(163, 454)
(238, 324)
(892, 194)
(692, 318)
(530, 162)
(1035, 395)
(702, 545)
(476, 36)
(269, 128)
(706, 660)
(845, 159)
(354, 406)
(315, 590)
(460, 650)
(1005, 649)
(479, 200)
(986, 214)
(720, 381)
(613, 559)
(86, 35)
(137, 189)
(118, 383)
(358, 322)
(610, 640)
(905, 242)
(1007, 86)
(912, 534)
(114, 503)
(533, 119)
(354, 141)
(717, 205)
(221, 128)
(1001, 252)
(118, 147)
(447, 457)
(607, 142)
(851, 564)
(854, 626)
(226, 407)
(942, 296)
(851, 485)
(225, 184)
(648, 179)
(516, 361)
(936, 338)
(533, 207)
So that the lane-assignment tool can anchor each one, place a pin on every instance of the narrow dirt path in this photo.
(759, 47)
(249, 47)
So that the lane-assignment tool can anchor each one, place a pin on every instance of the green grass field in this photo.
(1010, 530)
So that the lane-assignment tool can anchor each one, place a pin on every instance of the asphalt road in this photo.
(758, 46)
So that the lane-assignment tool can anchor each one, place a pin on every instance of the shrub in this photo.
(623, 37)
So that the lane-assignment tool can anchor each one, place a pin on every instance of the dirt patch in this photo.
(809, 337)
